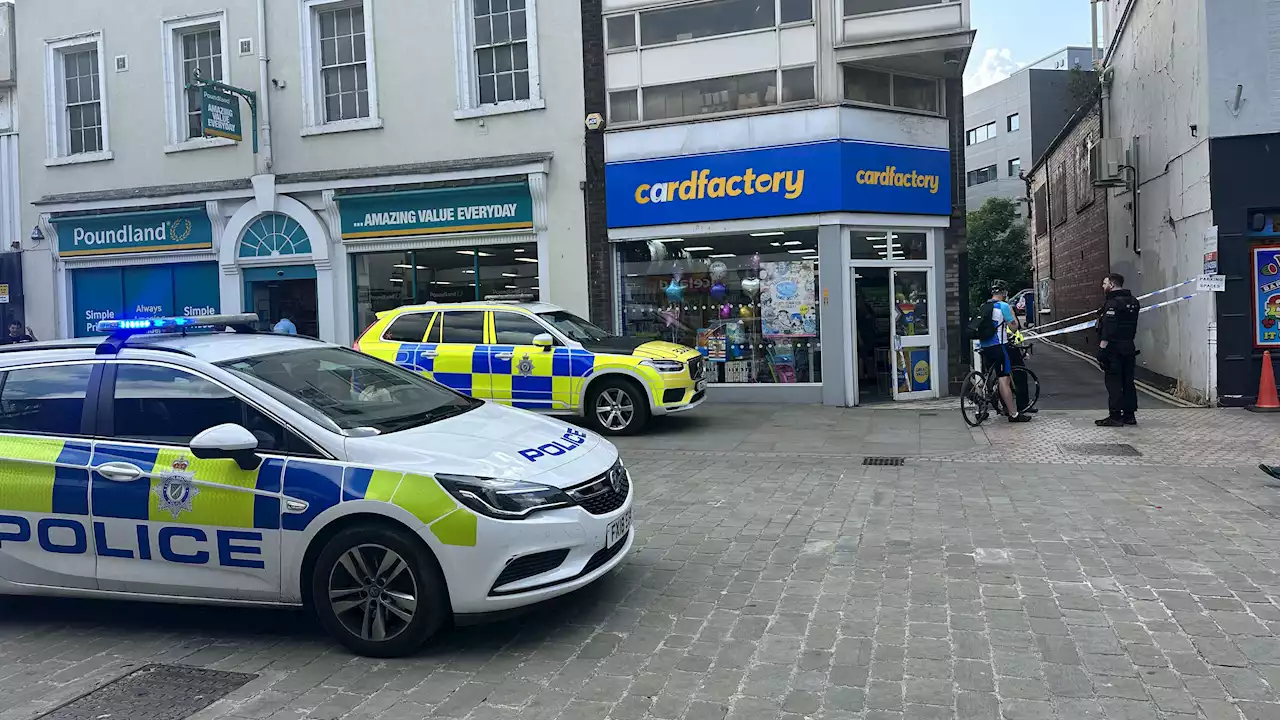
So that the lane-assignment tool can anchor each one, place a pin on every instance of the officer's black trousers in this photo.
(1122, 396)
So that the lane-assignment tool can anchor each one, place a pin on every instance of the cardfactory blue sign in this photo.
(829, 176)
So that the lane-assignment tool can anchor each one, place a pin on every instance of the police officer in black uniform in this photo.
(1117, 326)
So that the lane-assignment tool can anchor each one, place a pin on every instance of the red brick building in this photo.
(1069, 247)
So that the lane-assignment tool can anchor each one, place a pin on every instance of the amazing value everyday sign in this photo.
(505, 206)
(828, 176)
(123, 233)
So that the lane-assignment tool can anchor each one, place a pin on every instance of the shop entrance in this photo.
(894, 337)
(277, 293)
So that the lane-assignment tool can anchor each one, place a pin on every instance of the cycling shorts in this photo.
(997, 356)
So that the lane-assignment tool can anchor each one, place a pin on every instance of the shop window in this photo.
(178, 289)
(340, 78)
(411, 328)
(77, 128)
(499, 60)
(388, 280)
(888, 245)
(463, 327)
(45, 400)
(170, 407)
(747, 302)
(516, 329)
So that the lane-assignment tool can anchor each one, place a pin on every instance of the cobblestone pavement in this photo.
(766, 586)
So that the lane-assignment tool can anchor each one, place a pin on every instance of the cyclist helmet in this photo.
(999, 287)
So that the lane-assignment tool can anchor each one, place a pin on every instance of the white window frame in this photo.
(175, 81)
(468, 94)
(312, 84)
(57, 150)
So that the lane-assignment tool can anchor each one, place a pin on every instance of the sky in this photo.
(1014, 33)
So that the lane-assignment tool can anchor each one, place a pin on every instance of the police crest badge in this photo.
(525, 367)
(176, 490)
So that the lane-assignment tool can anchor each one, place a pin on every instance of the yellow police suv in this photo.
(165, 463)
(539, 357)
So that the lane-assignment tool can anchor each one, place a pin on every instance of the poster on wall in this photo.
(1266, 299)
(788, 302)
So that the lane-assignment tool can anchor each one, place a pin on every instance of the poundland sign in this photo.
(124, 233)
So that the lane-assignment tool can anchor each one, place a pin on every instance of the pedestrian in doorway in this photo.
(18, 334)
(1117, 352)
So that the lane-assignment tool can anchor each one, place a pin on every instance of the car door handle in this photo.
(504, 355)
(119, 471)
(428, 353)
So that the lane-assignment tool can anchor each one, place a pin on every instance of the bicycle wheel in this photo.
(974, 406)
(1023, 376)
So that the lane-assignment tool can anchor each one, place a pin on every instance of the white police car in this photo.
(231, 467)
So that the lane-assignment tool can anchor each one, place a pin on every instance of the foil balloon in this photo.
(745, 311)
(718, 270)
(670, 316)
(755, 261)
(717, 290)
(726, 310)
(674, 290)
(751, 286)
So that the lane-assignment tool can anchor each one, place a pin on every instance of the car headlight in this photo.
(664, 366)
(503, 499)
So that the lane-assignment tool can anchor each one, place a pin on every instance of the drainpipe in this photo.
(264, 93)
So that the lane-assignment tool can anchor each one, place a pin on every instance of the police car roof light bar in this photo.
(122, 330)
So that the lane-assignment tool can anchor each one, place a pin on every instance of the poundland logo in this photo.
(175, 231)
(102, 236)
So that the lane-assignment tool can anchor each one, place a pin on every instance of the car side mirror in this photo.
(544, 341)
(227, 442)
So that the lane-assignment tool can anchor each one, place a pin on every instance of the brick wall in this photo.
(1074, 254)
(955, 245)
(599, 258)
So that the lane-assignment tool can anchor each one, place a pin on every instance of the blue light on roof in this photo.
(137, 325)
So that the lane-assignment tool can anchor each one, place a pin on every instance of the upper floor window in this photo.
(499, 66)
(1085, 192)
(191, 44)
(878, 87)
(979, 134)
(1014, 122)
(702, 20)
(339, 74)
(865, 7)
(77, 120)
(1040, 210)
(981, 175)
(713, 95)
(1015, 167)
(1058, 189)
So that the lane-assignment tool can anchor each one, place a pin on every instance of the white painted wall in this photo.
(1158, 93)
(1243, 36)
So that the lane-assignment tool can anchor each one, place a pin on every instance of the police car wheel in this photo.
(618, 407)
(378, 591)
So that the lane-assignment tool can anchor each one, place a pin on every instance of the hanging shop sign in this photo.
(220, 114)
(480, 208)
(828, 176)
(124, 233)
(1266, 297)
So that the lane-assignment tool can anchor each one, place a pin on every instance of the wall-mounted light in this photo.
(36, 234)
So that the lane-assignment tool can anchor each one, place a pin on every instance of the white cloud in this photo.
(996, 65)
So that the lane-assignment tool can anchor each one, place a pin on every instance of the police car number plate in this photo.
(702, 385)
(617, 530)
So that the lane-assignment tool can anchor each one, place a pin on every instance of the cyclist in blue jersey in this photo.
(995, 349)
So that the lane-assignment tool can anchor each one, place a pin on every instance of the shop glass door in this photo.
(913, 337)
(279, 293)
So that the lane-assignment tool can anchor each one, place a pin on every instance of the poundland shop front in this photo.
(154, 263)
(807, 269)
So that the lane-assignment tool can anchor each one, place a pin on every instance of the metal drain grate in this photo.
(883, 461)
(156, 692)
(1111, 449)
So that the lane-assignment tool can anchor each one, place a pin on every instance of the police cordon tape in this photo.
(1153, 293)
(1092, 323)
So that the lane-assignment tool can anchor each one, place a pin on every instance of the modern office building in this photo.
(405, 153)
(783, 191)
(1010, 125)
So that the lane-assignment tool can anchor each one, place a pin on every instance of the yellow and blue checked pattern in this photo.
(549, 379)
(46, 475)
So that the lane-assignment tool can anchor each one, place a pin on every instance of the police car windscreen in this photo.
(575, 327)
(351, 390)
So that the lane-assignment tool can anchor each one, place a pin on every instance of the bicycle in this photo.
(981, 391)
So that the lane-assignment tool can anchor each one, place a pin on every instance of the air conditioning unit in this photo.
(1107, 163)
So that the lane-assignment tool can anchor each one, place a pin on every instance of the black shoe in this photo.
(1129, 420)
(1109, 422)
(1020, 417)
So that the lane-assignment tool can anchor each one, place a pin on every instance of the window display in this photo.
(388, 280)
(747, 302)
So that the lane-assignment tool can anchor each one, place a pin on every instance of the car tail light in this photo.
(356, 345)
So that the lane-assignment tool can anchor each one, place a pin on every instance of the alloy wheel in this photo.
(373, 592)
(615, 409)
